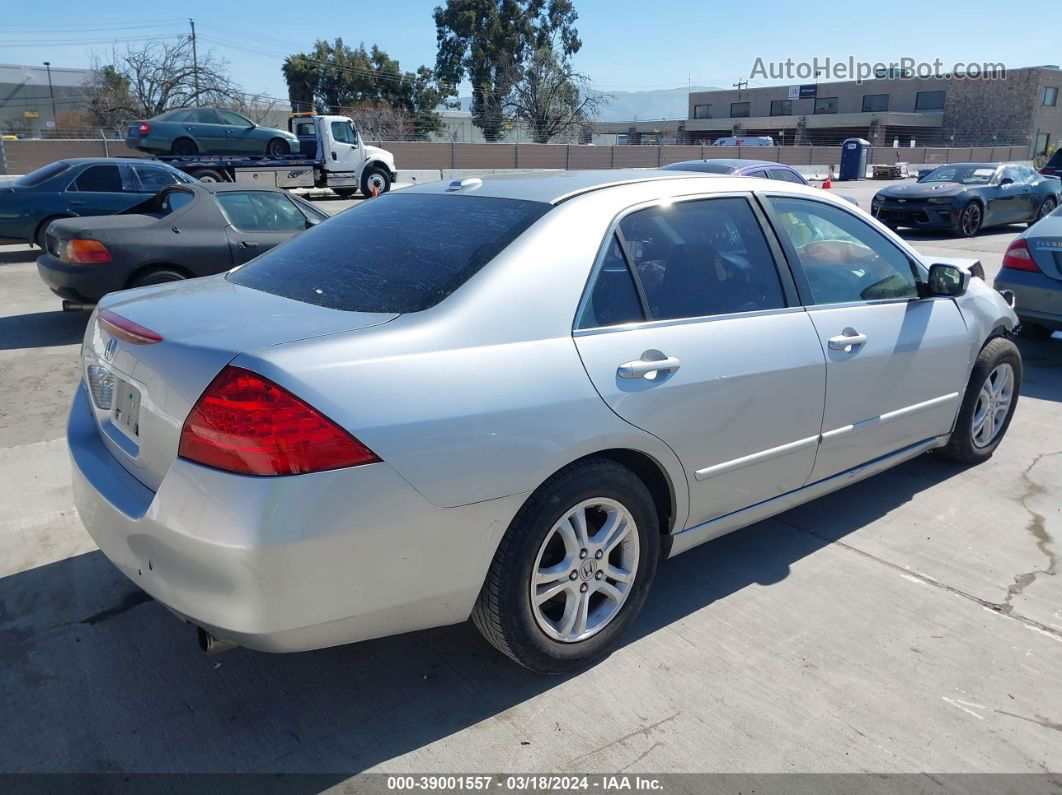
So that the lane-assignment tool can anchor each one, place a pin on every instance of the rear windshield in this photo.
(42, 174)
(396, 253)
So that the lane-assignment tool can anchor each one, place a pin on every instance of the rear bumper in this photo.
(84, 283)
(287, 563)
(1037, 297)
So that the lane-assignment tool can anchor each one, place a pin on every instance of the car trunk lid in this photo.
(203, 325)
(1045, 245)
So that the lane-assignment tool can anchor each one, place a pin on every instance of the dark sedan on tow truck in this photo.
(967, 197)
(182, 232)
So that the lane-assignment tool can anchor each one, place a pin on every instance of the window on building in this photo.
(701, 111)
(826, 105)
(739, 109)
(781, 107)
(1051, 95)
(875, 102)
(930, 100)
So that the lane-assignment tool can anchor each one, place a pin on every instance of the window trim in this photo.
(944, 99)
(815, 107)
(745, 116)
(790, 292)
(1043, 99)
(865, 109)
(707, 110)
(803, 286)
(773, 101)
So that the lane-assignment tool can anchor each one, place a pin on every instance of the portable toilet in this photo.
(854, 152)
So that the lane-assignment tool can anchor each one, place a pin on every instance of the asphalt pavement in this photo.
(911, 622)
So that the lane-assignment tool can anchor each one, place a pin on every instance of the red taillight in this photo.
(144, 128)
(245, 423)
(86, 252)
(1048, 171)
(125, 329)
(1018, 258)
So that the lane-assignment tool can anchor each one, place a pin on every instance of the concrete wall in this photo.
(22, 157)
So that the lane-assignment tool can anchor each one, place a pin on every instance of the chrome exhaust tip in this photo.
(208, 644)
(76, 306)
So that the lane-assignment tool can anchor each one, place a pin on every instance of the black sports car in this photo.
(181, 232)
(966, 197)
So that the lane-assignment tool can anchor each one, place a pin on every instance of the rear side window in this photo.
(613, 300)
(401, 252)
(153, 178)
(42, 174)
(700, 258)
(786, 176)
(205, 116)
(260, 211)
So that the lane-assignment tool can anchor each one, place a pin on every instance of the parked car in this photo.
(78, 187)
(764, 169)
(1032, 270)
(748, 168)
(208, 131)
(1053, 167)
(744, 140)
(183, 231)
(967, 197)
(509, 397)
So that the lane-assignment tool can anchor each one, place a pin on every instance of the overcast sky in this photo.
(627, 45)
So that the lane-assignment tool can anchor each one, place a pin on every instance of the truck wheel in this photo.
(208, 175)
(375, 178)
(278, 147)
(184, 147)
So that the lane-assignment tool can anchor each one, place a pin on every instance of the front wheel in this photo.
(988, 404)
(573, 569)
(970, 219)
(1047, 206)
(375, 180)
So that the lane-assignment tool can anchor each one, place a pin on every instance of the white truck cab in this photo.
(347, 164)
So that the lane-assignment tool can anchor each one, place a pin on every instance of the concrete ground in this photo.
(912, 622)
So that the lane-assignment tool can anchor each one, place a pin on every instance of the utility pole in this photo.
(195, 63)
(740, 84)
(51, 93)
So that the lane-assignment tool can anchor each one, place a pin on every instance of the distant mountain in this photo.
(665, 103)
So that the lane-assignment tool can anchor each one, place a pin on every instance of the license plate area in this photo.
(127, 408)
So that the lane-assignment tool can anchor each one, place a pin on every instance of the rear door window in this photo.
(105, 178)
(785, 175)
(205, 116)
(401, 252)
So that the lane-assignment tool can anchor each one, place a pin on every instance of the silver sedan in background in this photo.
(509, 398)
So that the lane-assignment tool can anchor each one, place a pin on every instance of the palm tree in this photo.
(300, 72)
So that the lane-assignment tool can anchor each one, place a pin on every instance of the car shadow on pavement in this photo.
(42, 329)
(99, 678)
(1042, 367)
(18, 257)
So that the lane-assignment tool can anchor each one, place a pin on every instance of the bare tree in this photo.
(379, 121)
(551, 99)
(161, 75)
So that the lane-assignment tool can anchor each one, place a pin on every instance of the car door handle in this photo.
(847, 339)
(640, 368)
(248, 244)
(77, 203)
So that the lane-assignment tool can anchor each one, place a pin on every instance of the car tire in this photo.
(184, 147)
(1035, 331)
(208, 175)
(156, 276)
(601, 491)
(42, 229)
(375, 176)
(971, 217)
(278, 147)
(1046, 207)
(981, 426)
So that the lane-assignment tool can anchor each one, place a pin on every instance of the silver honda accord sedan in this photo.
(508, 399)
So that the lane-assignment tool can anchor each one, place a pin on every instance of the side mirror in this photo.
(1005, 181)
(947, 280)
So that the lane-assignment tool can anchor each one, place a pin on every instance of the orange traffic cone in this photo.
(827, 184)
(375, 190)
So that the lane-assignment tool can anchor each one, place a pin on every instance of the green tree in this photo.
(300, 72)
(490, 42)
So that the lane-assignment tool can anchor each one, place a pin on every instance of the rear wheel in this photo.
(1047, 206)
(184, 147)
(573, 569)
(42, 229)
(156, 276)
(208, 175)
(970, 219)
(278, 147)
(988, 405)
(375, 178)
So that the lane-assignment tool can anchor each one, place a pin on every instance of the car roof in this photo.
(733, 162)
(977, 165)
(553, 187)
(80, 161)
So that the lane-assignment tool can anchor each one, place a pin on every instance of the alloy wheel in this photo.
(993, 405)
(971, 219)
(584, 570)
